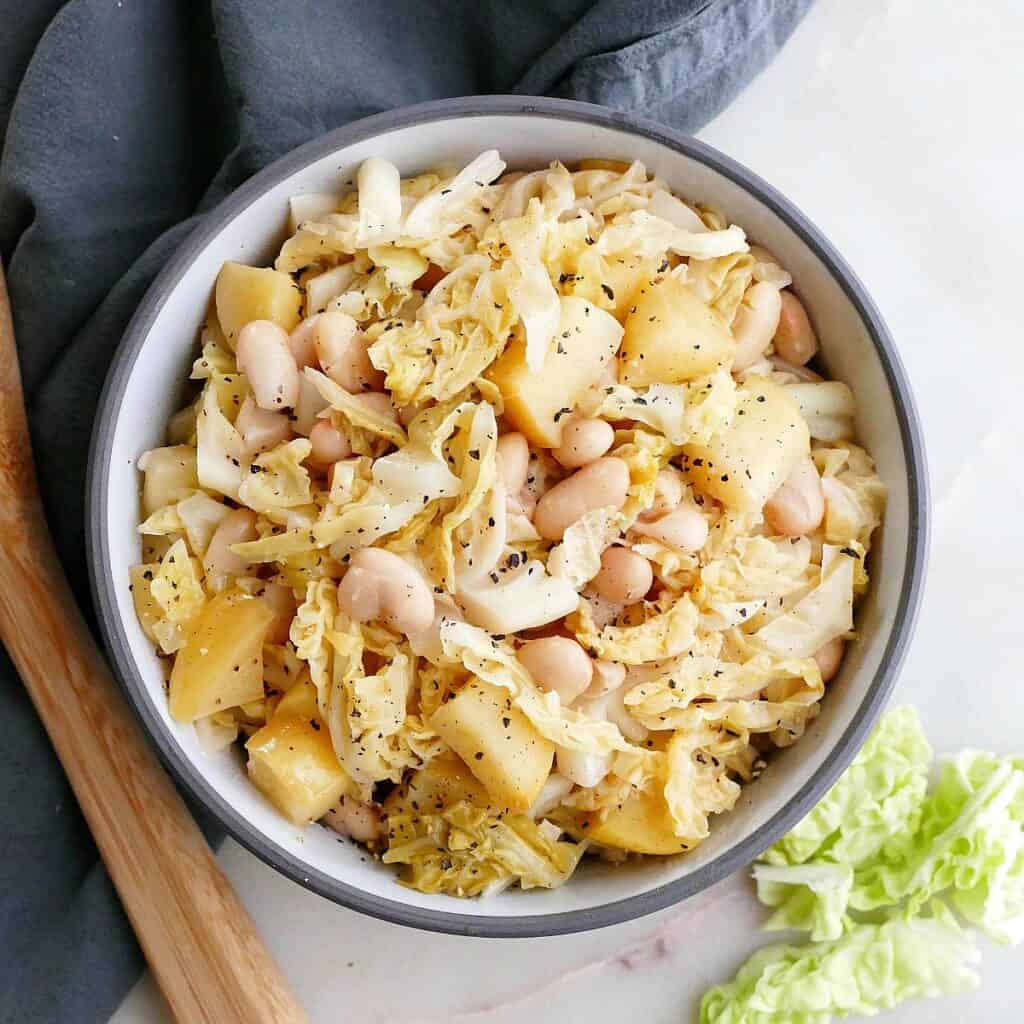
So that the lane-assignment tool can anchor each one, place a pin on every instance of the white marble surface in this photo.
(895, 125)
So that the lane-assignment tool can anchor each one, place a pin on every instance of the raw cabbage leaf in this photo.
(869, 968)
(877, 840)
(877, 796)
(970, 841)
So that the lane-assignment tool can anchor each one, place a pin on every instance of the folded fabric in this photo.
(121, 123)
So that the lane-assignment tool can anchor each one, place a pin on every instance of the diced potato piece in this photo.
(438, 784)
(292, 761)
(642, 825)
(497, 742)
(246, 293)
(672, 336)
(589, 338)
(744, 465)
(146, 608)
(169, 474)
(625, 276)
(299, 701)
(221, 664)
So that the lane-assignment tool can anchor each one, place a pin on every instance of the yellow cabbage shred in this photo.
(463, 850)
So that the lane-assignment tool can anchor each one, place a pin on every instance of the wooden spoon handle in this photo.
(200, 942)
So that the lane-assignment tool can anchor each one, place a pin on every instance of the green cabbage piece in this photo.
(871, 967)
(878, 839)
(809, 875)
(970, 840)
(862, 872)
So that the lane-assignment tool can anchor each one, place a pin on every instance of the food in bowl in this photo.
(509, 522)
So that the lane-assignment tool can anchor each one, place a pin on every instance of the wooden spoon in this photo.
(200, 942)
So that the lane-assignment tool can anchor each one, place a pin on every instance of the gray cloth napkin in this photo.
(121, 122)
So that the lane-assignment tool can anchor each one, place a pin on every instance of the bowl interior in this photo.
(145, 389)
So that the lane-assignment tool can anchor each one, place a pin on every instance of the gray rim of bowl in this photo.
(469, 924)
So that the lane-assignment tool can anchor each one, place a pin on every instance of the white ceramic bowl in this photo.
(144, 388)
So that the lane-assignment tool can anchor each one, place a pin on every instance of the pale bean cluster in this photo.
(284, 403)
(381, 586)
(770, 317)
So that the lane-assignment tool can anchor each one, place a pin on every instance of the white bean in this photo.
(830, 657)
(329, 444)
(684, 529)
(795, 340)
(602, 484)
(559, 665)
(237, 527)
(754, 324)
(380, 585)
(342, 350)
(263, 355)
(800, 372)
(625, 576)
(261, 430)
(582, 440)
(798, 506)
(302, 342)
(513, 461)
(361, 822)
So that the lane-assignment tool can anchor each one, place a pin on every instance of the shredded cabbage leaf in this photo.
(177, 589)
(462, 850)
(277, 478)
(664, 634)
(826, 612)
(698, 783)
